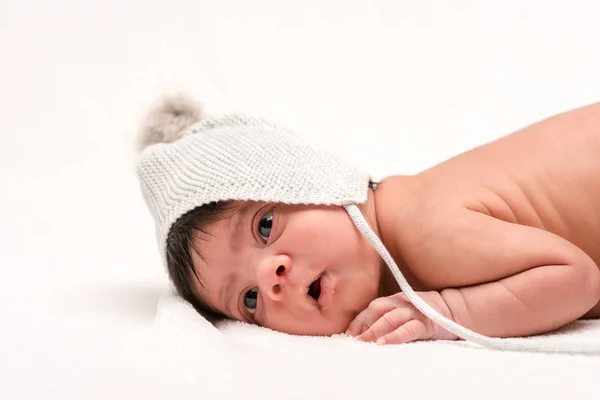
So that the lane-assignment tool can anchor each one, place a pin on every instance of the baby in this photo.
(253, 225)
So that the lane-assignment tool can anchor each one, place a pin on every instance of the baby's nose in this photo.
(273, 277)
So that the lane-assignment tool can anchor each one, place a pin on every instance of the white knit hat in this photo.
(187, 162)
(234, 157)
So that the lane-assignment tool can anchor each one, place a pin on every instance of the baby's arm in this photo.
(536, 281)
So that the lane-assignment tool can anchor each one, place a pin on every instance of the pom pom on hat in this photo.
(167, 120)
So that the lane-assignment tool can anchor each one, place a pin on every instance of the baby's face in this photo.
(298, 269)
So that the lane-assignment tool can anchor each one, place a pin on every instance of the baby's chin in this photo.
(321, 326)
(332, 328)
(325, 323)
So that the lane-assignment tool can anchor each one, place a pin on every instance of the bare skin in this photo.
(504, 239)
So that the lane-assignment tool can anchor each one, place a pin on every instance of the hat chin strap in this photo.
(449, 325)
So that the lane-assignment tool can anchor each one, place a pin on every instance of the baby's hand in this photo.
(393, 319)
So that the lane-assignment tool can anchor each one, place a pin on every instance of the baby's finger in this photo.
(369, 315)
(409, 332)
(356, 325)
(388, 323)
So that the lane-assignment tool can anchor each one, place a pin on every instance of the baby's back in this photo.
(546, 176)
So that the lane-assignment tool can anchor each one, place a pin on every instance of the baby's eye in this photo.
(264, 226)
(250, 300)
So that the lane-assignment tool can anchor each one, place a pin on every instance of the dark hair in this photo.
(180, 244)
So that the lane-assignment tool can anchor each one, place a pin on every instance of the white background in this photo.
(393, 86)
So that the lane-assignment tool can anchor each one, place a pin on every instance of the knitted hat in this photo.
(235, 157)
(187, 162)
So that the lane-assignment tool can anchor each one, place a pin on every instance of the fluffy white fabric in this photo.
(277, 365)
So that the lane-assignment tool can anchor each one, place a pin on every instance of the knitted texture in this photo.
(239, 157)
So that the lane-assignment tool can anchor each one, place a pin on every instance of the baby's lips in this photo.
(328, 287)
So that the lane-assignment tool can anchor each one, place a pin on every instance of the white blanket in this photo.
(276, 365)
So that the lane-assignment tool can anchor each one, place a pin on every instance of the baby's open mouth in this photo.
(314, 290)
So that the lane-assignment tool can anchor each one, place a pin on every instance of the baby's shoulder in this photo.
(406, 205)
(413, 206)
(424, 229)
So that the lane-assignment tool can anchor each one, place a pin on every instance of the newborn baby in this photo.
(503, 240)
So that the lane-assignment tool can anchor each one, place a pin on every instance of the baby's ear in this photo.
(167, 120)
